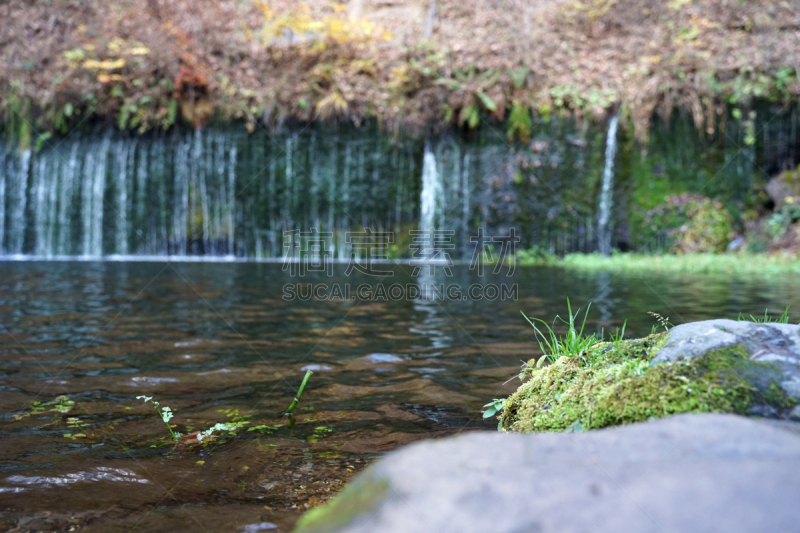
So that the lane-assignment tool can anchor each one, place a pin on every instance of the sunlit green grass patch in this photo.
(738, 263)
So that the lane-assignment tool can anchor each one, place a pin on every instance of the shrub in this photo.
(691, 223)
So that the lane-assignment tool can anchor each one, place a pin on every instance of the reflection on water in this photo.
(429, 319)
(601, 300)
(217, 341)
(99, 474)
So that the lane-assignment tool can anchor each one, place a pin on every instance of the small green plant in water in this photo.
(320, 432)
(165, 413)
(299, 392)
(61, 404)
(297, 398)
(228, 427)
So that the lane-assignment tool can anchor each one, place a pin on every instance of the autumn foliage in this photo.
(263, 62)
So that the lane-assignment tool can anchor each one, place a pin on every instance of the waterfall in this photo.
(19, 184)
(223, 193)
(230, 199)
(607, 191)
(3, 171)
(67, 184)
(432, 190)
(465, 207)
(183, 194)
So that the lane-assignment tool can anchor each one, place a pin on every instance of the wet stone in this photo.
(649, 477)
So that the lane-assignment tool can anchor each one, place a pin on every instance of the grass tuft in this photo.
(783, 319)
(574, 344)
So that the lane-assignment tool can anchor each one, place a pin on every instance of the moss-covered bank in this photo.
(615, 383)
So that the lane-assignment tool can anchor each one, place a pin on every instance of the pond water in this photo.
(217, 342)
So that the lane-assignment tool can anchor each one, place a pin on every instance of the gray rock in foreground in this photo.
(778, 344)
(688, 473)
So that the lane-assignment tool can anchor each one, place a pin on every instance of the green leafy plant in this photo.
(778, 223)
(40, 140)
(469, 115)
(265, 428)
(574, 344)
(690, 223)
(536, 256)
(61, 404)
(494, 407)
(229, 427)
(519, 123)
(165, 413)
(320, 432)
(518, 76)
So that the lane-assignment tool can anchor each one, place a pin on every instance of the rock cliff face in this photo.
(693, 472)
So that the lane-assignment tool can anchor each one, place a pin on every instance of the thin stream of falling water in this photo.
(97, 199)
(40, 206)
(431, 190)
(607, 191)
(3, 170)
(86, 203)
(201, 189)
(182, 203)
(17, 226)
(465, 206)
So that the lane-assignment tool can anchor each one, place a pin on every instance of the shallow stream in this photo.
(218, 343)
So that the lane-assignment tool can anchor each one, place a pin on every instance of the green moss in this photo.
(359, 497)
(617, 384)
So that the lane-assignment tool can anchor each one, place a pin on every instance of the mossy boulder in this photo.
(711, 366)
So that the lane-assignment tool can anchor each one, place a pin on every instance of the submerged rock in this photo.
(710, 366)
(699, 473)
